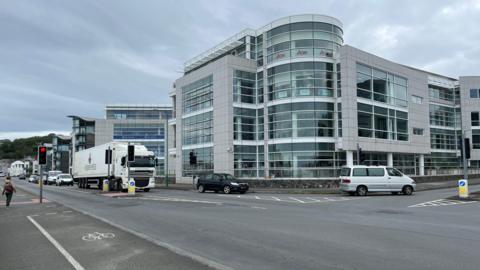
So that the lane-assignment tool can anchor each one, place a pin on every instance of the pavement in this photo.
(52, 236)
(288, 231)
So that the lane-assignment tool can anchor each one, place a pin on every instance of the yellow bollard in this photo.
(106, 186)
(463, 188)
(131, 187)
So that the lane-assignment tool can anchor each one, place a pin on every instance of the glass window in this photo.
(474, 93)
(376, 172)
(345, 172)
(418, 131)
(475, 117)
(393, 172)
(417, 99)
(360, 172)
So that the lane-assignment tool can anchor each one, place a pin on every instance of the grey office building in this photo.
(291, 101)
(136, 123)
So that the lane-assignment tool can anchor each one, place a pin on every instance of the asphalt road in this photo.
(261, 231)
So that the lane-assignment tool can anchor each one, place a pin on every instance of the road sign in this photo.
(463, 188)
(131, 187)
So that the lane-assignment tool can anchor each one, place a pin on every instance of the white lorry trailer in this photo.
(89, 167)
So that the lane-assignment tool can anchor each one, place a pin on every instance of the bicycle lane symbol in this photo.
(97, 236)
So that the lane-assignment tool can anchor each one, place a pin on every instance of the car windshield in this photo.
(54, 173)
(64, 176)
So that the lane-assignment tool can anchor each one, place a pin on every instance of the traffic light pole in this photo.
(464, 155)
(166, 154)
(41, 184)
(358, 154)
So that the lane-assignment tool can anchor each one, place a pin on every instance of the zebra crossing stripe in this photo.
(441, 202)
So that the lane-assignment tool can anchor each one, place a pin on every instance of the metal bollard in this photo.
(131, 187)
(106, 185)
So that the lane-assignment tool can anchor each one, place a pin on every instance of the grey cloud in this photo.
(71, 57)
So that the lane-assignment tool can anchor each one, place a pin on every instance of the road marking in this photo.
(295, 199)
(258, 207)
(171, 199)
(65, 253)
(54, 213)
(302, 200)
(97, 236)
(441, 202)
(67, 212)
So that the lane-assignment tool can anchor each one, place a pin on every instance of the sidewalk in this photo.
(420, 187)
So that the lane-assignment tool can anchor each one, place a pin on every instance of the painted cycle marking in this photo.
(97, 236)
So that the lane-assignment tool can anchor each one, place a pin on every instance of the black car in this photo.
(220, 182)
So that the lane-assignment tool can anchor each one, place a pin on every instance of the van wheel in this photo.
(395, 193)
(407, 190)
(226, 190)
(201, 189)
(146, 189)
(362, 190)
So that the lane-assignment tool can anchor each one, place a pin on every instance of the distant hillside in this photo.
(20, 148)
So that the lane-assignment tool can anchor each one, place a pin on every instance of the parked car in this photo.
(220, 182)
(52, 177)
(22, 177)
(2, 174)
(363, 179)
(64, 179)
(33, 179)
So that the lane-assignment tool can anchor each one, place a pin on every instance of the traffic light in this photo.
(108, 156)
(361, 155)
(467, 148)
(42, 155)
(131, 153)
(193, 158)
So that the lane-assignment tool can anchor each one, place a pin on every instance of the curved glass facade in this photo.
(302, 79)
(297, 85)
(303, 39)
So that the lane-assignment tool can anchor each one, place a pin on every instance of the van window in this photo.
(360, 172)
(376, 172)
(345, 172)
(393, 172)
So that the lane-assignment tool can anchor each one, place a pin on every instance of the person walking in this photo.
(8, 190)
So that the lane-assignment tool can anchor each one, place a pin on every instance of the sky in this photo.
(69, 57)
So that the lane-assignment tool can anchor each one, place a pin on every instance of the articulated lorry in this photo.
(89, 167)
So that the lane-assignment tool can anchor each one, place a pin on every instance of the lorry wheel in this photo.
(146, 189)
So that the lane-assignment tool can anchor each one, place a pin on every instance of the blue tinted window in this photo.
(474, 93)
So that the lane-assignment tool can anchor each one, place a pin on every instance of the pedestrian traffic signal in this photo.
(131, 153)
(108, 156)
(42, 155)
(193, 158)
(467, 148)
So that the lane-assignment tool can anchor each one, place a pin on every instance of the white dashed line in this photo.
(295, 199)
(53, 213)
(258, 207)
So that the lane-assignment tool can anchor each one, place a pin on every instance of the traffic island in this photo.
(120, 194)
(474, 196)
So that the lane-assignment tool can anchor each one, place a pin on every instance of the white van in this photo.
(363, 179)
